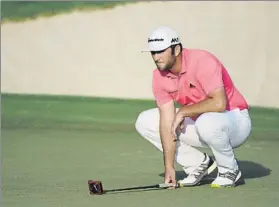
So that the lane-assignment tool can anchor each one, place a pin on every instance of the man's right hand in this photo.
(167, 115)
(170, 176)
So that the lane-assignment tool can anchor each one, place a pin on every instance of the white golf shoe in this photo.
(205, 168)
(226, 178)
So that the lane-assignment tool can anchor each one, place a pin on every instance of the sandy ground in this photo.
(98, 53)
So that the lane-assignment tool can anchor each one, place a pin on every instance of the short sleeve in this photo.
(161, 96)
(209, 73)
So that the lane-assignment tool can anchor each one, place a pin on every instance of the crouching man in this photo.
(212, 113)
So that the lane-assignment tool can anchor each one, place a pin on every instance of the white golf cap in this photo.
(161, 38)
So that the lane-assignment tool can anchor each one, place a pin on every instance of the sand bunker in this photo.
(98, 53)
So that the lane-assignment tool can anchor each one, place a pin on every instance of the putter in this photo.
(96, 187)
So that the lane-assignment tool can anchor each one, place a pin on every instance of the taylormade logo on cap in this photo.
(162, 38)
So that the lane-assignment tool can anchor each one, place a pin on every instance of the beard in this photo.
(164, 67)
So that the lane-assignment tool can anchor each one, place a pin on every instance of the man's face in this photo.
(164, 60)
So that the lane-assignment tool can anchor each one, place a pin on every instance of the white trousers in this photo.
(221, 132)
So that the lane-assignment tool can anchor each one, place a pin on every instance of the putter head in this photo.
(95, 187)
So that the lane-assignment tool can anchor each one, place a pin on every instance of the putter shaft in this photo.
(144, 187)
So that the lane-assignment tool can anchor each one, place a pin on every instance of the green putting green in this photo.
(52, 145)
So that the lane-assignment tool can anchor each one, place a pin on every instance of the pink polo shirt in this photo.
(201, 73)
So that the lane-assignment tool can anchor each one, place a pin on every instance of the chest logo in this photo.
(191, 85)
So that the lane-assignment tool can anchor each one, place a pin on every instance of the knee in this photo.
(140, 122)
(208, 128)
(146, 121)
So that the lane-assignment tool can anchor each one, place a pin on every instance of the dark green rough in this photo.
(22, 10)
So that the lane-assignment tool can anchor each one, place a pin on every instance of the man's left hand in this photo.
(177, 124)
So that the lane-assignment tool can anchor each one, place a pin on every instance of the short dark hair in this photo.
(172, 49)
(173, 46)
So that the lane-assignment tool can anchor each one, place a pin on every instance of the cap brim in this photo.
(146, 50)
(158, 50)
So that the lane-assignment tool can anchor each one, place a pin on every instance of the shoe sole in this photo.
(228, 186)
(209, 171)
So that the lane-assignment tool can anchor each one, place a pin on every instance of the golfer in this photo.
(212, 112)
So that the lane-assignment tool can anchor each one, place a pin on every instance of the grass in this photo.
(52, 145)
(24, 10)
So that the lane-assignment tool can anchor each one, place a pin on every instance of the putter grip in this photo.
(167, 185)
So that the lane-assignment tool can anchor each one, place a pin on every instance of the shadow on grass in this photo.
(249, 169)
